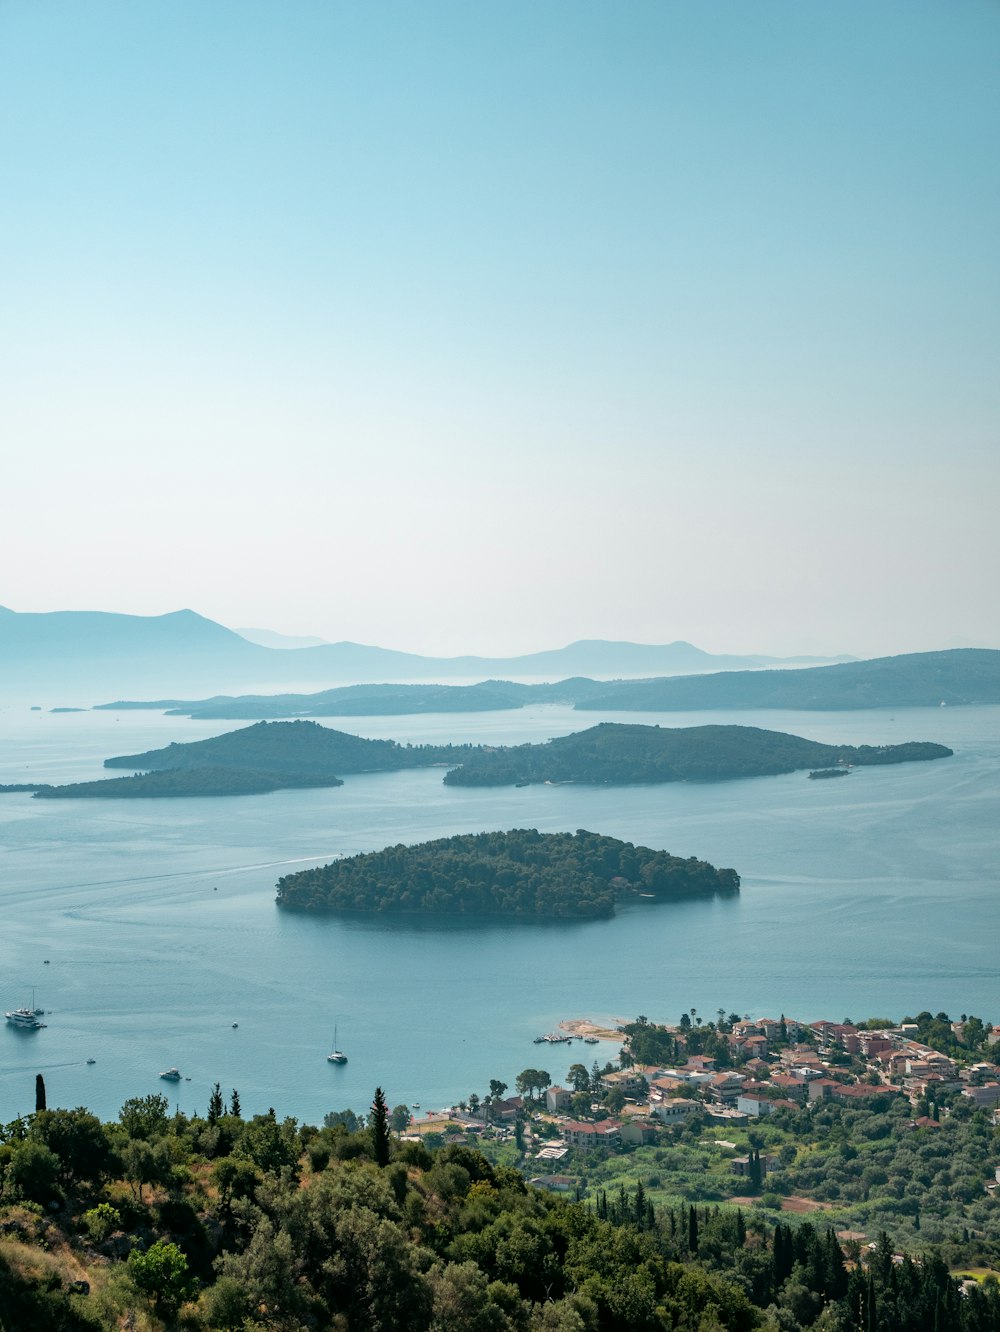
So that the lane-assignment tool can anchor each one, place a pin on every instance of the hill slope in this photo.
(915, 679)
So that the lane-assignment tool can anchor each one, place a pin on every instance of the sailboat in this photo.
(336, 1056)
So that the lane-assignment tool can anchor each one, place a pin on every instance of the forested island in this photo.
(616, 753)
(299, 748)
(185, 782)
(271, 756)
(521, 873)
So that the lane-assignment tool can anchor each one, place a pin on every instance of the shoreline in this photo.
(588, 1027)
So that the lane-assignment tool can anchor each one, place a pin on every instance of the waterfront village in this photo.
(738, 1088)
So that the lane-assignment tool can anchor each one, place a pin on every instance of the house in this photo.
(607, 1133)
(638, 1132)
(861, 1091)
(627, 1079)
(821, 1089)
(790, 1084)
(740, 1165)
(504, 1111)
(983, 1097)
(557, 1098)
(752, 1104)
(675, 1110)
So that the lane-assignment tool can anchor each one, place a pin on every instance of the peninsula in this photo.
(618, 754)
(521, 873)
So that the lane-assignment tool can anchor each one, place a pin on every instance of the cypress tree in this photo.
(692, 1230)
(216, 1109)
(234, 1104)
(39, 1093)
(380, 1128)
(639, 1205)
(741, 1229)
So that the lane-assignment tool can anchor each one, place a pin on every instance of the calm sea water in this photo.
(148, 928)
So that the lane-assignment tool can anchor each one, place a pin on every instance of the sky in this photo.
(486, 327)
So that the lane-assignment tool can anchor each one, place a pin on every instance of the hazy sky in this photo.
(488, 326)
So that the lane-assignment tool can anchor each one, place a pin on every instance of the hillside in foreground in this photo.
(616, 753)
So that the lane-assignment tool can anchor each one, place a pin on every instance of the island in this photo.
(292, 748)
(521, 873)
(617, 754)
(371, 700)
(185, 782)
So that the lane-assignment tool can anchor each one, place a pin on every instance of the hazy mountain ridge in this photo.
(99, 652)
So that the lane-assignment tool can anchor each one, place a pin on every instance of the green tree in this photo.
(234, 1105)
(32, 1173)
(161, 1273)
(39, 1093)
(102, 1221)
(144, 1117)
(400, 1118)
(379, 1122)
(216, 1108)
(80, 1141)
(579, 1078)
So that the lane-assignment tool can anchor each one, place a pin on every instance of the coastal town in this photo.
(747, 1093)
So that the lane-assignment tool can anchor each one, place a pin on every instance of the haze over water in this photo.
(870, 895)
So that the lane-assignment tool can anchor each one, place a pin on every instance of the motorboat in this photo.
(171, 1075)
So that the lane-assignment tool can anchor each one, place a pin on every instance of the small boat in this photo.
(591, 1040)
(235, 1025)
(171, 1075)
(336, 1055)
(416, 1105)
(91, 1061)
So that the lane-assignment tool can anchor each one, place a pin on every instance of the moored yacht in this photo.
(25, 1018)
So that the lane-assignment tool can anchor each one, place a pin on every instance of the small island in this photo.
(521, 873)
(618, 754)
(185, 782)
(298, 748)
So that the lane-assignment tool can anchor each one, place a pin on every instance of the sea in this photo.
(147, 929)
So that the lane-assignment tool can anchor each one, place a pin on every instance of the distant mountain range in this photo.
(920, 679)
(89, 655)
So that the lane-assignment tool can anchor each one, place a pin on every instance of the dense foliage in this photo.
(517, 873)
(163, 1221)
(616, 753)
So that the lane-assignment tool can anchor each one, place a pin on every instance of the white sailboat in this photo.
(336, 1055)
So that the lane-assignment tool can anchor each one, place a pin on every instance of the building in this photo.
(675, 1110)
(557, 1098)
(608, 1133)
